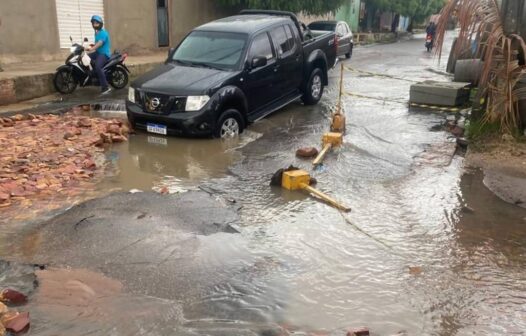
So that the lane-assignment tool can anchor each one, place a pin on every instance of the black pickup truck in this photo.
(231, 72)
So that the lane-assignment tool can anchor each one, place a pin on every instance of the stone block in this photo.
(439, 93)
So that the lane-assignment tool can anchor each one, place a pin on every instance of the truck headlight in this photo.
(131, 95)
(195, 103)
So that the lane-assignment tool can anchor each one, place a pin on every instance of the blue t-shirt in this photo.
(105, 48)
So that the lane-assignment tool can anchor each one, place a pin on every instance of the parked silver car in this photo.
(343, 32)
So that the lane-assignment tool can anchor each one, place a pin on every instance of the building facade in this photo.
(305, 18)
(355, 14)
(41, 29)
(351, 13)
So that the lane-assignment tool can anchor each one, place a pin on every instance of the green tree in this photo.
(307, 6)
(417, 10)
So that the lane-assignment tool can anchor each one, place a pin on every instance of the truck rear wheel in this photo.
(314, 90)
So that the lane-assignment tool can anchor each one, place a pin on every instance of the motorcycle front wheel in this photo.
(119, 78)
(64, 81)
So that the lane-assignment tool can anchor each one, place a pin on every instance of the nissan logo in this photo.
(155, 102)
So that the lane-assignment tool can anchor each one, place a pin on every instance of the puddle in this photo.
(149, 162)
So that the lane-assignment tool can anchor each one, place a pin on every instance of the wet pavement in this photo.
(427, 249)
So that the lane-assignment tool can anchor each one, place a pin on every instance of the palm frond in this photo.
(480, 21)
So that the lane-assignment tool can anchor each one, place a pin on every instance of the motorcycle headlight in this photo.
(73, 49)
(131, 95)
(195, 103)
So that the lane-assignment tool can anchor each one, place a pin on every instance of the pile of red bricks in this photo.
(46, 155)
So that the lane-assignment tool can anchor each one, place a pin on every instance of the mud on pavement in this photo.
(131, 261)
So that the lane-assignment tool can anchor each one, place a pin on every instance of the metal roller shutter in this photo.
(74, 19)
(88, 8)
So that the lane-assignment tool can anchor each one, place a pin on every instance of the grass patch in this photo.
(479, 130)
(485, 136)
(481, 134)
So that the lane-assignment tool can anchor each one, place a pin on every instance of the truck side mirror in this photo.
(258, 62)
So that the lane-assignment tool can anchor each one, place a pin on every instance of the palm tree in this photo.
(481, 23)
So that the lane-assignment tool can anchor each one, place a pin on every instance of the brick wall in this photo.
(7, 91)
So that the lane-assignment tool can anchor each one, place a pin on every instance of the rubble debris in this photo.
(415, 270)
(15, 322)
(463, 142)
(3, 309)
(11, 320)
(12, 296)
(49, 154)
(363, 331)
(308, 152)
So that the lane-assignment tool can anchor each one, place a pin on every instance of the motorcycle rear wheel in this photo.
(64, 81)
(119, 78)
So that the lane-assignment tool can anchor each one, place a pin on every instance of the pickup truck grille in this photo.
(162, 104)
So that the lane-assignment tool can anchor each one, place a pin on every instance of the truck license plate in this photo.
(156, 128)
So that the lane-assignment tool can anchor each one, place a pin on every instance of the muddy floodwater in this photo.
(426, 250)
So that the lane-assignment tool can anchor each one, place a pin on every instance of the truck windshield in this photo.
(322, 26)
(211, 49)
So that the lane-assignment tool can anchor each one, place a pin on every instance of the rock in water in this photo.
(308, 152)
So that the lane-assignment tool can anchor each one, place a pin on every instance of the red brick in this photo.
(363, 331)
(7, 92)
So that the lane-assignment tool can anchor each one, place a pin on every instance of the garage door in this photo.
(74, 19)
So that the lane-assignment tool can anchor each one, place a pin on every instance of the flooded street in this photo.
(426, 250)
(177, 163)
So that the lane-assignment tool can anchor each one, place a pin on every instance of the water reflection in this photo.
(148, 161)
(499, 229)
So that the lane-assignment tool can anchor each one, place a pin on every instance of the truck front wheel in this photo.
(314, 90)
(229, 125)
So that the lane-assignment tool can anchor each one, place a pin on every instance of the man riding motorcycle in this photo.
(100, 53)
(430, 38)
(431, 29)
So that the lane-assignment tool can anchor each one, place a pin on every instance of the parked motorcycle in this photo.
(429, 42)
(78, 70)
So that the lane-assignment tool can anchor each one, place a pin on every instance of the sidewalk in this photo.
(371, 38)
(24, 81)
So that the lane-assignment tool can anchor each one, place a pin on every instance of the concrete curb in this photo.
(22, 88)
(380, 38)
